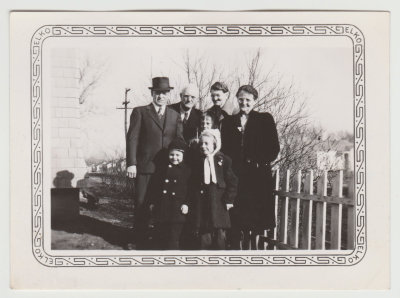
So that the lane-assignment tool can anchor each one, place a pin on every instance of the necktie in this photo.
(159, 113)
(185, 117)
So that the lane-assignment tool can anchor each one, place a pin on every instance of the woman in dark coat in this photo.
(213, 190)
(250, 138)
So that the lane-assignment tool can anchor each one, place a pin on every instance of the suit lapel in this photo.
(249, 123)
(192, 120)
(153, 115)
(176, 107)
(168, 116)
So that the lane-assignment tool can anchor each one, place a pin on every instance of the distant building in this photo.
(121, 165)
(91, 168)
(99, 168)
(335, 160)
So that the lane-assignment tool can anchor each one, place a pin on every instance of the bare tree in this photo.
(300, 139)
(200, 71)
(116, 171)
(90, 73)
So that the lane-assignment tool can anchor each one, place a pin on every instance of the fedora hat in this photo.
(161, 84)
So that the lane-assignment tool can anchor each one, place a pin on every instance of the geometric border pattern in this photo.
(182, 259)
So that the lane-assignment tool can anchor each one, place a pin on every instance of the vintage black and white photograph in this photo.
(229, 143)
(182, 147)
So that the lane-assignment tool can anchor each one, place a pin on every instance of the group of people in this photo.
(203, 177)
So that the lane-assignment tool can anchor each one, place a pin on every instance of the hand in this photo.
(194, 142)
(229, 206)
(131, 172)
(184, 209)
(151, 207)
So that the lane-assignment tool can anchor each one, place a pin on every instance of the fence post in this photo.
(294, 214)
(305, 242)
(283, 225)
(320, 224)
(276, 207)
(336, 212)
(351, 216)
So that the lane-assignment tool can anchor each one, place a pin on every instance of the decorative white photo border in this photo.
(186, 258)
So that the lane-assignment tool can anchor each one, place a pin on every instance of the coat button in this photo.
(164, 191)
(166, 180)
(173, 193)
(201, 191)
(169, 166)
(175, 181)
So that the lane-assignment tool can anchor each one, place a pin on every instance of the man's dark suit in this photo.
(148, 135)
(147, 140)
(192, 125)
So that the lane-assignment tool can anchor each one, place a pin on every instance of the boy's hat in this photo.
(177, 144)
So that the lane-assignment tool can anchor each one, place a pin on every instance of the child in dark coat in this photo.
(213, 190)
(168, 196)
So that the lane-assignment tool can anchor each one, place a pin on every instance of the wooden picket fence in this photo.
(308, 220)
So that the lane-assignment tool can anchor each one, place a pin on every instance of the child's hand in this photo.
(151, 207)
(184, 209)
(194, 142)
(229, 206)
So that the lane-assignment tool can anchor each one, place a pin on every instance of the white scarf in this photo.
(209, 166)
(209, 170)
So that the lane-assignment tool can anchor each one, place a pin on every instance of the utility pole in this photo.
(125, 104)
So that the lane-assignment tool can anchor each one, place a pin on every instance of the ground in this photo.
(104, 225)
(108, 223)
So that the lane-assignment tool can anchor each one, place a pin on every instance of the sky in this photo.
(320, 68)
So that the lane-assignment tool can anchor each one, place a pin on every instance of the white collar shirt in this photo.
(184, 114)
(243, 120)
(160, 110)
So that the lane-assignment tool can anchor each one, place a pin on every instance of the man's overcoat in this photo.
(149, 136)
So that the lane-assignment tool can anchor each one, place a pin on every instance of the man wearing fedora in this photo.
(152, 128)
